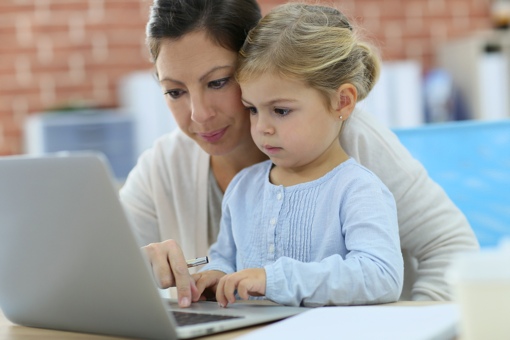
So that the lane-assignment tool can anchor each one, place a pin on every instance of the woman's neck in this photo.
(225, 167)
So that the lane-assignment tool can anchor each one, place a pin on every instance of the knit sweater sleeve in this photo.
(165, 194)
(432, 229)
(136, 196)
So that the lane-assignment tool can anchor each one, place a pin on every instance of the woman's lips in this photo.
(212, 136)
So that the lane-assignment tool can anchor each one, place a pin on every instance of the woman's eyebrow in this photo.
(214, 69)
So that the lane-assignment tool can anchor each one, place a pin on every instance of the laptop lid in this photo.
(69, 259)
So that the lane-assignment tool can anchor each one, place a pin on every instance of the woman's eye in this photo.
(174, 94)
(281, 112)
(218, 84)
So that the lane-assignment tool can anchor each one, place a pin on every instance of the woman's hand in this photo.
(206, 283)
(170, 269)
(247, 282)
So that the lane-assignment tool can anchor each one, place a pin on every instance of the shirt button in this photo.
(279, 196)
(271, 248)
(273, 221)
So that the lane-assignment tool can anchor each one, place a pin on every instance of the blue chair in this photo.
(471, 161)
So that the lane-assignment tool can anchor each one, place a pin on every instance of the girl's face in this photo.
(196, 76)
(290, 122)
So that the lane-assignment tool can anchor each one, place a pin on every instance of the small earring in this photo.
(340, 117)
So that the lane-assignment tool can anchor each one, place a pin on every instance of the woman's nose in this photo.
(201, 110)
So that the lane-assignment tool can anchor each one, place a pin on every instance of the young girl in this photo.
(310, 226)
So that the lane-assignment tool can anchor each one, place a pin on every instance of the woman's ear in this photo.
(346, 99)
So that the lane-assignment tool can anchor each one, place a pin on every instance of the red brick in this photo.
(78, 6)
(9, 7)
(122, 23)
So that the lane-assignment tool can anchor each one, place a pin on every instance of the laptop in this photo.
(69, 259)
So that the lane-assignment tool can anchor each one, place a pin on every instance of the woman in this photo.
(174, 193)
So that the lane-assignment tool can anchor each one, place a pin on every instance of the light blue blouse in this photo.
(331, 241)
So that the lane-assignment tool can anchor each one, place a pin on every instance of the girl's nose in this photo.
(263, 125)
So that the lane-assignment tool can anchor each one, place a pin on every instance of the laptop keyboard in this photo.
(190, 318)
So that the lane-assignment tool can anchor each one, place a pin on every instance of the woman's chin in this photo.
(216, 149)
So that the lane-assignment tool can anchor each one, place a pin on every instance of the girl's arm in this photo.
(370, 272)
(222, 254)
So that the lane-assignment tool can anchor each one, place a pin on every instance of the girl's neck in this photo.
(327, 161)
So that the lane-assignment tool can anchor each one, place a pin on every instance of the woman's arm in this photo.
(432, 229)
(169, 230)
(137, 198)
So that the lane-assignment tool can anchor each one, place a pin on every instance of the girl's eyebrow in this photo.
(272, 102)
(245, 101)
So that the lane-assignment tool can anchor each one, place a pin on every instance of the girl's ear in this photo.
(346, 98)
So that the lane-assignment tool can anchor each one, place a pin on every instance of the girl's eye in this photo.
(281, 112)
(253, 110)
(174, 94)
(218, 84)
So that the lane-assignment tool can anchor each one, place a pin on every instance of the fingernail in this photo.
(184, 302)
(221, 305)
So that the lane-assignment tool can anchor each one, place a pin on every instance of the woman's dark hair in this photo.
(227, 22)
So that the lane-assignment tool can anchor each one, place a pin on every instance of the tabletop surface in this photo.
(10, 331)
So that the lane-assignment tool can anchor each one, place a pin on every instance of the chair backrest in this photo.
(471, 161)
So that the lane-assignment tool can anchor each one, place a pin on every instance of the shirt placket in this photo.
(273, 222)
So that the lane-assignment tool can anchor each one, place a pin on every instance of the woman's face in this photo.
(196, 76)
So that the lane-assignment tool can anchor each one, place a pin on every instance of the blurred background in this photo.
(75, 74)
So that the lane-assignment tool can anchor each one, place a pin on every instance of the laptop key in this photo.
(190, 318)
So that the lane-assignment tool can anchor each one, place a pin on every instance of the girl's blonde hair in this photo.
(312, 43)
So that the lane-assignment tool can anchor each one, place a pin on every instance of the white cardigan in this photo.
(166, 196)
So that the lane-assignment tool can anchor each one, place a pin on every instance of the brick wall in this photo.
(55, 53)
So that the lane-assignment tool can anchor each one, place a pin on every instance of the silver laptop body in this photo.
(69, 259)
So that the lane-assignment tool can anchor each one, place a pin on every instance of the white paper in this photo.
(366, 322)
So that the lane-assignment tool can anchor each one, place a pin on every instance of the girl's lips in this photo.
(271, 150)
(213, 136)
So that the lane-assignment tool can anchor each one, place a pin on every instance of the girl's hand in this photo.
(206, 283)
(247, 282)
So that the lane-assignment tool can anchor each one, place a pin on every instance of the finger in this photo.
(200, 285)
(179, 269)
(207, 283)
(220, 295)
(200, 291)
(250, 287)
(195, 292)
(243, 288)
(159, 265)
(230, 287)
